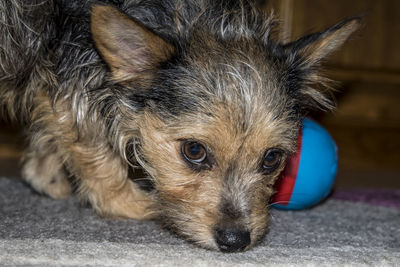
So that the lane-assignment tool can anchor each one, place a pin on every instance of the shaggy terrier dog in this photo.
(180, 110)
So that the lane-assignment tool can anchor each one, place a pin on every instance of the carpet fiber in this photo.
(36, 230)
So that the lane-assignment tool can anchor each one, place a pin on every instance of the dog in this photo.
(181, 110)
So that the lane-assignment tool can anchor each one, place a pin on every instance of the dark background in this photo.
(366, 124)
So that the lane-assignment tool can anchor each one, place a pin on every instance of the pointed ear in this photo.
(306, 54)
(131, 51)
(315, 47)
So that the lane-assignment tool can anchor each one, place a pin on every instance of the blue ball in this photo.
(310, 174)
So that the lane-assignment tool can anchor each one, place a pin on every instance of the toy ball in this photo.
(310, 173)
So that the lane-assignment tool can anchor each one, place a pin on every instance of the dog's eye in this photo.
(194, 152)
(272, 160)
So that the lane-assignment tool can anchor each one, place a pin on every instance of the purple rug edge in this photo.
(389, 198)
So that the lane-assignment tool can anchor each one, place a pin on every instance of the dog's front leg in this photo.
(57, 147)
(103, 178)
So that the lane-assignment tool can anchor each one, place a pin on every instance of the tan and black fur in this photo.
(107, 87)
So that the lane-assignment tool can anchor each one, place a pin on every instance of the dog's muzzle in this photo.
(232, 239)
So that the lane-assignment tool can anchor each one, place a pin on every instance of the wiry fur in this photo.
(108, 85)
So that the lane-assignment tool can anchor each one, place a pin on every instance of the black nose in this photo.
(231, 240)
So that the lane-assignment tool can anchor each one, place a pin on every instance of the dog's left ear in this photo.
(306, 54)
(131, 51)
(315, 47)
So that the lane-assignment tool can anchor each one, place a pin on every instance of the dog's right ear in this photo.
(131, 51)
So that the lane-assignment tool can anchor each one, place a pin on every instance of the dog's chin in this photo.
(205, 236)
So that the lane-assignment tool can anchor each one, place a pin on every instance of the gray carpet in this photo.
(35, 230)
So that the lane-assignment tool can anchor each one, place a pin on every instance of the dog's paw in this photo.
(58, 187)
(47, 175)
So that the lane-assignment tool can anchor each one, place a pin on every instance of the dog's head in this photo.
(217, 107)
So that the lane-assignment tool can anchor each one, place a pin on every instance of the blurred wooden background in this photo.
(366, 125)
